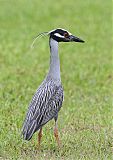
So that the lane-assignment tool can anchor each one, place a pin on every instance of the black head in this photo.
(61, 35)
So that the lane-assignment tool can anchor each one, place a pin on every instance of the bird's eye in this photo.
(66, 35)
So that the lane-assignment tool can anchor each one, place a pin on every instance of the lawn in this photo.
(85, 120)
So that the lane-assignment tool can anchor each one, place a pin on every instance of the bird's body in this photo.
(48, 98)
(44, 106)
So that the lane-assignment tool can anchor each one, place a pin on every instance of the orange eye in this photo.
(66, 35)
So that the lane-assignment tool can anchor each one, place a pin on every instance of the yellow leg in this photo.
(39, 136)
(56, 135)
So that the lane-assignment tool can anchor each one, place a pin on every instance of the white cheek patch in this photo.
(59, 35)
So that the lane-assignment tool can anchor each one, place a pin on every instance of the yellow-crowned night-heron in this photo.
(48, 98)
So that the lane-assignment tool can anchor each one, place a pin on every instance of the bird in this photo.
(47, 101)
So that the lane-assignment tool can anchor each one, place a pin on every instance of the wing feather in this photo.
(44, 106)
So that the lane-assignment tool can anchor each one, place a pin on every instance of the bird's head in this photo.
(59, 35)
(62, 35)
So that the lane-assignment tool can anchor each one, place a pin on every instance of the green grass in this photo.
(85, 120)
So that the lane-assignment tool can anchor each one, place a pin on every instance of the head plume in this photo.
(39, 36)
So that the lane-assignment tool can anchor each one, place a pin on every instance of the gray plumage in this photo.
(48, 99)
(44, 106)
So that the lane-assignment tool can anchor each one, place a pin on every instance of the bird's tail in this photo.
(28, 130)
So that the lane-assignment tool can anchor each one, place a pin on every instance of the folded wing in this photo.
(44, 106)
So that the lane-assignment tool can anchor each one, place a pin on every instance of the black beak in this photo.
(75, 39)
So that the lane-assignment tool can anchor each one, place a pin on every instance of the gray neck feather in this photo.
(54, 70)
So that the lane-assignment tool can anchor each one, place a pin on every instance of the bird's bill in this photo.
(75, 39)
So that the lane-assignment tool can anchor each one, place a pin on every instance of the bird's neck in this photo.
(54, 70)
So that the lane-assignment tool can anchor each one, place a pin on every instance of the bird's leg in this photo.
(39, 136)
(56, 134)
